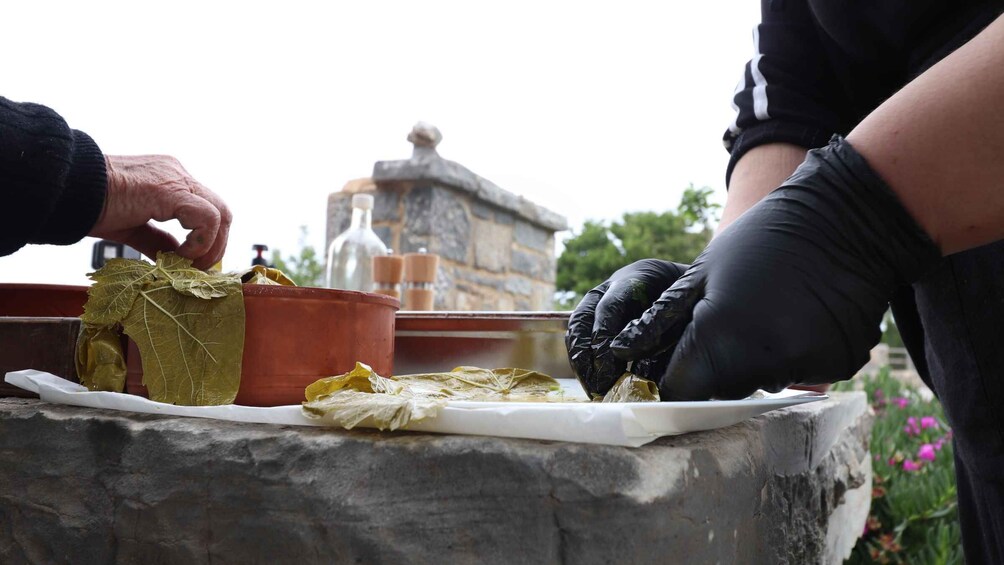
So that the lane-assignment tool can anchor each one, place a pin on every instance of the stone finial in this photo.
(425, 137)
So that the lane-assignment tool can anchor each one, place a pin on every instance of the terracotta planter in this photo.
(42, 300)
(296, 335)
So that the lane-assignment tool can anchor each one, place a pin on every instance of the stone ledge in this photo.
(433, 169)
(82, 485)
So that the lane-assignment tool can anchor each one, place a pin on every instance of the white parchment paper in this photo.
(629, 424)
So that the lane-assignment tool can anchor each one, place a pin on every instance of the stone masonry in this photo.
(80, 485)
(496, 248)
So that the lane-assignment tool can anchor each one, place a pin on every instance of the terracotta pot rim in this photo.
(249, 290)
(42, 286)
(278, 291)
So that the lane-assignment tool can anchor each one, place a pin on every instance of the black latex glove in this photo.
(604, 312)
(792, 292)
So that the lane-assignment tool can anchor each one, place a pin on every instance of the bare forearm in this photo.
(760, 171)
(939, 144)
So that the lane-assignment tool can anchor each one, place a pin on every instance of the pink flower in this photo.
(901, 401)
(879, 399)
(939, 444)
(926, 452)
(910, 465)
(911, 427)
(928, 422)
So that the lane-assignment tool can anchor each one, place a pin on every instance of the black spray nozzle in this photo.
(259, 260)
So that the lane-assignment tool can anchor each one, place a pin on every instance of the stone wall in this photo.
(496, 249)
(80, 485)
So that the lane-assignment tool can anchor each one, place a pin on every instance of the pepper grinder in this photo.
(419, 278)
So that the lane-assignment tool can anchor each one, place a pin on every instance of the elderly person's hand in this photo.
(156, 187)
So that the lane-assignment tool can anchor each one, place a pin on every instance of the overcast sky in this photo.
(590, 109)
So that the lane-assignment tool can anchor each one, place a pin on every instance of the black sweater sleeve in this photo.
(788, 92)
(52, 178)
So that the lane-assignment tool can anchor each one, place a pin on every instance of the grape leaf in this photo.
(363, 396)
(115, 288)
(191, 347)
(188, 325)
(205, 289)
(473, 383)
(117, 285)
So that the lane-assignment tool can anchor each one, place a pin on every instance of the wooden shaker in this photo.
(419, 278)
(388, 272)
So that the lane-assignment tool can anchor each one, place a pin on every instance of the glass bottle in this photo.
(350, 263)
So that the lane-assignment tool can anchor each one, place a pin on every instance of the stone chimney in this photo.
(496, 248)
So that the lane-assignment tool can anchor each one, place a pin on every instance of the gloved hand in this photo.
(792, 292)
(604, 312)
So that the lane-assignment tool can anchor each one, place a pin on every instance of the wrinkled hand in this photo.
(792, 292)
(604, 312)
(156, 187)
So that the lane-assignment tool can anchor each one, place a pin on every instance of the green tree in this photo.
(695, 208)
(598, 250)
(306, 269)
(586, 255)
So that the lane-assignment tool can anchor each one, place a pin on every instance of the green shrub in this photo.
(913, 517)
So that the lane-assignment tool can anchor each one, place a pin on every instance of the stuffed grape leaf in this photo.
(349, 408)
(356, 379)
(632, 388)
(260, 274)
(99, 360)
